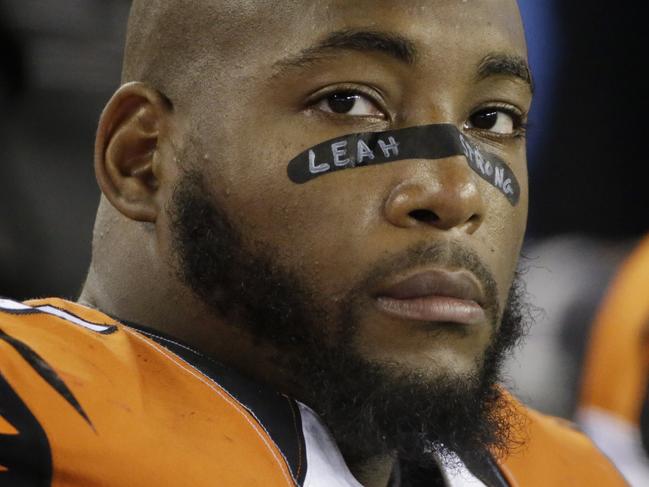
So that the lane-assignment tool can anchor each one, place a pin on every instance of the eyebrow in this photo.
(393, 45)
(505, 65)
(400, 49)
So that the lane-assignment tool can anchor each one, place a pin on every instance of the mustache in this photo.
(446, 255)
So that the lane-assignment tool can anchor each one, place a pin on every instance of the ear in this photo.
(127, 150)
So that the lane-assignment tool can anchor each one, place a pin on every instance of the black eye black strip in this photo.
(436, 141)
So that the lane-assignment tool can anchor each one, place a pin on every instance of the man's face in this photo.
(409, 263)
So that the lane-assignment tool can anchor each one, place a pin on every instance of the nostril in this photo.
(424, 216)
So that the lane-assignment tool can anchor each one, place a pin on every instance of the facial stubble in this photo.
(371, 409)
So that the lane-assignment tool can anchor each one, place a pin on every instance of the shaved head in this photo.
(170, 43)
(161, 37)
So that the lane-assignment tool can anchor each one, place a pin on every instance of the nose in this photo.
(445, 198)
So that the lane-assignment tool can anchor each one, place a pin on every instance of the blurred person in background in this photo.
(614, 398)
(200, 235)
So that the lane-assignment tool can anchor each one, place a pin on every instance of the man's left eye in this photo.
(496, 120)
(349, 103)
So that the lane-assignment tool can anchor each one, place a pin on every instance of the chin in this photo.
(434, 363)
(445, 355)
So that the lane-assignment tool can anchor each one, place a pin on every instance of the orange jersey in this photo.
(88, 401)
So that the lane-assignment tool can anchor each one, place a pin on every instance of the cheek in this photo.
(318, 228)
(321, 229)
(504, 232)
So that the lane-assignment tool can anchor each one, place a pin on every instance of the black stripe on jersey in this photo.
(48, 374)
(26, 456)
(278, 414)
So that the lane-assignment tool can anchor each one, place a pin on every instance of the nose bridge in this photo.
(443, 194)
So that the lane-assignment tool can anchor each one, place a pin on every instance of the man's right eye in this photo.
(351, 103)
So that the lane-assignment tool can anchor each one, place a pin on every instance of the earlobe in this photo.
(127, 150)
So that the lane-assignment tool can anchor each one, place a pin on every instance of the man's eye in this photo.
(349, 103)
(497, 120)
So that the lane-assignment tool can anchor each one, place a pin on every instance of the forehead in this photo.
(423, 18)
(275, 29)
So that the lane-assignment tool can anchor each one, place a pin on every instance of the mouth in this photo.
(435, 296)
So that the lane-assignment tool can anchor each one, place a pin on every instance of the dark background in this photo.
(587, 176)
(60, 61)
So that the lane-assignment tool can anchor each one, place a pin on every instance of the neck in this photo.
(173, 310)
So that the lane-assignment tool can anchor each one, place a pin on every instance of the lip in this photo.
(436, 295)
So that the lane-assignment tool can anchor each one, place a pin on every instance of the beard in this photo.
(371, 408)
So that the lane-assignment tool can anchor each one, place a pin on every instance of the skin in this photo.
(211, 96)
